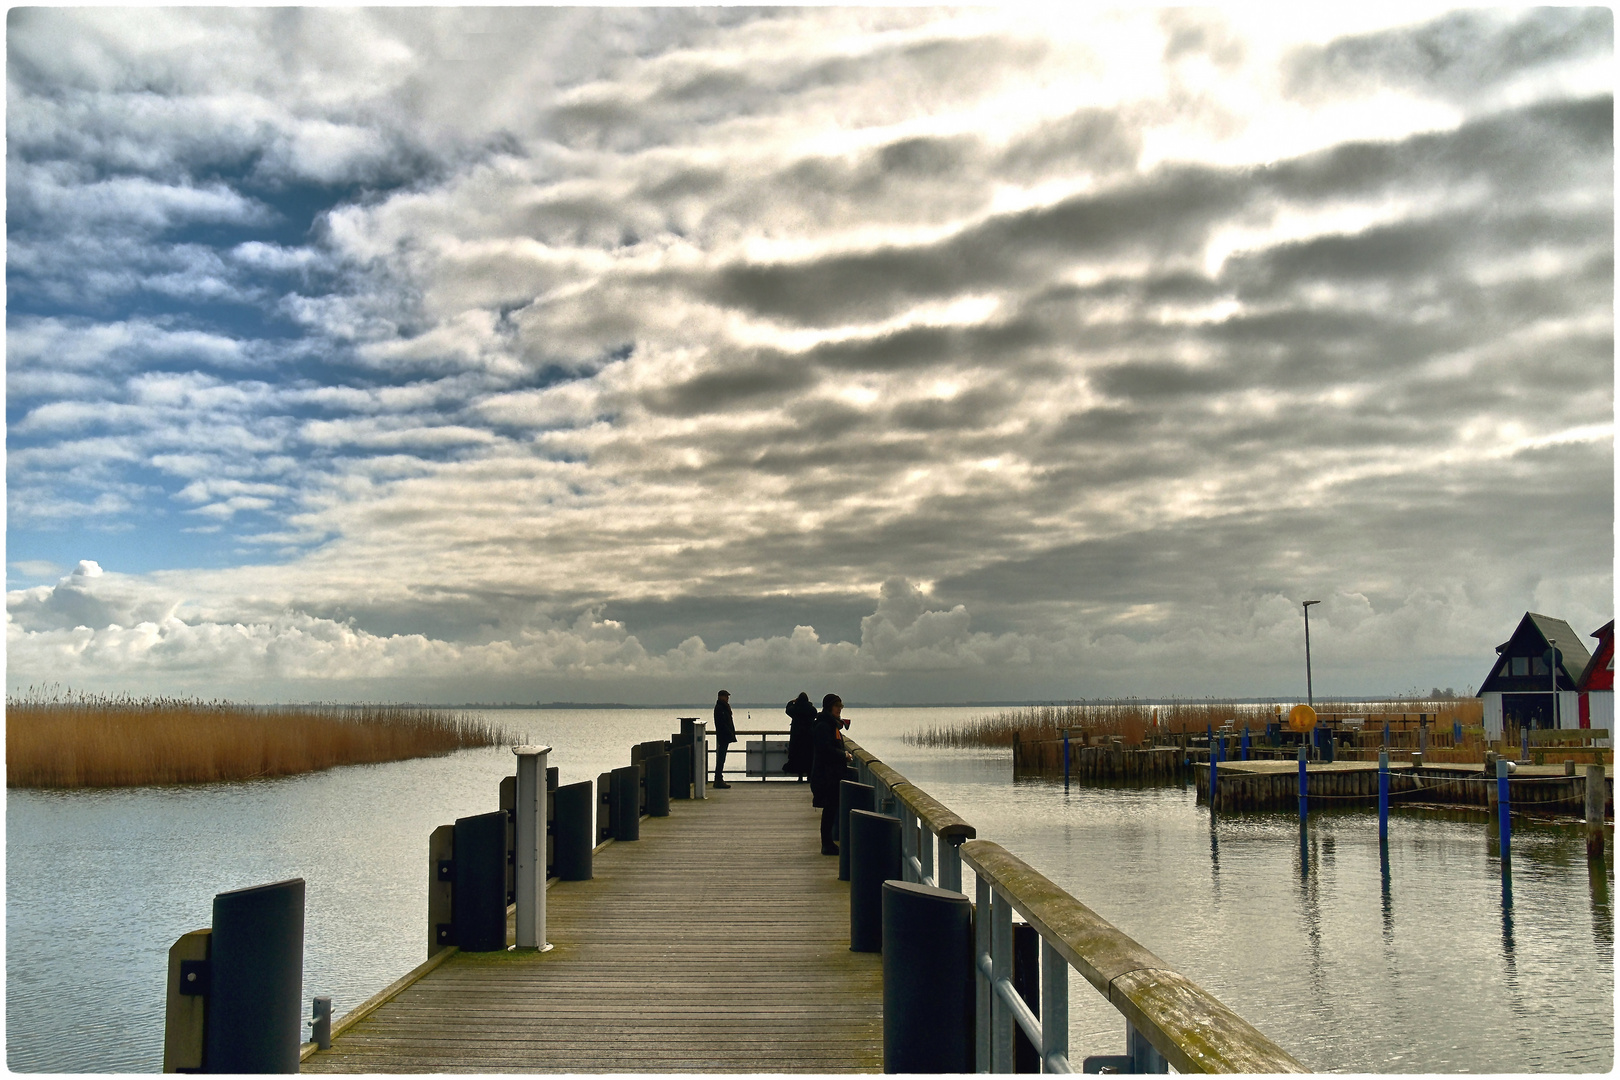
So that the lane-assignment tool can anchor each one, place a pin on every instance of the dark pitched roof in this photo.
(1569, 642)
(1532, 635)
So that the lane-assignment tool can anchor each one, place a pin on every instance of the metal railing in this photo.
(1170, 1021)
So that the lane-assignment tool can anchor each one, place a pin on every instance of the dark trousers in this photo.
(720, 761)
(829, 825)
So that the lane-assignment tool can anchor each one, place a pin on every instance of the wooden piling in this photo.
(1595, 798)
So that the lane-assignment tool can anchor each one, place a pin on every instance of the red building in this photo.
(1596, 684)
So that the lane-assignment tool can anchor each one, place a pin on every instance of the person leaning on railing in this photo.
(799, 755)
(827, 769)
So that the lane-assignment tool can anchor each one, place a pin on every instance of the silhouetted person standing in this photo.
(725, 733)
(827, 738)
(800, 754)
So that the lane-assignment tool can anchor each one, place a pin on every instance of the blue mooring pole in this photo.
(1214, 767)
(1502, 805)
(1456, 732)
(1245, 742)
(1302, 787)
(1383, 795)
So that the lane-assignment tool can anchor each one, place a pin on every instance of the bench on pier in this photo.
(1582, 741)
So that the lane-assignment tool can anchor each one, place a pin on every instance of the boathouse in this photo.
(1596, 684)
(1519, 691)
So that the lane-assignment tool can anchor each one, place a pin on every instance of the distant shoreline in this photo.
(1321, 699)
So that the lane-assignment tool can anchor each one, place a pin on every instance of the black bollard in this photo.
(680, 766)
(627, 803)
(851, 796)
(478, 904)
(928, 998)
(256, 975)
(573, 831)
(874, 857)
(607, 808)
(657, 766)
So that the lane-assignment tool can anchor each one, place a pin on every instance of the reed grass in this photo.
(57, 739)
(1133, 721)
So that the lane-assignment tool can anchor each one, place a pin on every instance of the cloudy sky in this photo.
(924, 355)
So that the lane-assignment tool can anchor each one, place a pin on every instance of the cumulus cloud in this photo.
(1118, 332)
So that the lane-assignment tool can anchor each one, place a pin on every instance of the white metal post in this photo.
(530, 836)
(983, 992)
(700, 758)
(925, 853)
(1001, 1019)
(908, 843)
(1054, 1007)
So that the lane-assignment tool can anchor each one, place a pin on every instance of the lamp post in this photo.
(1310, 697)
(1552, 663)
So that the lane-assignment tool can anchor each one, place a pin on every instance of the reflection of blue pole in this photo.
(1383, 795)
(1065, 756)
(1302, 782)
(1502, 804)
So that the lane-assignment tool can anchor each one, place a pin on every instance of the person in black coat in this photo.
(800, 756)
(827, 769)
(725, 733)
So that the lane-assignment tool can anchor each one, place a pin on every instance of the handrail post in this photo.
(1001, 1021)
(950, 863)
(925, 853)
(1054, 1007)
(908, 842)
(1144, 1058)
(984, 993)
(700, 758)
(530, 871)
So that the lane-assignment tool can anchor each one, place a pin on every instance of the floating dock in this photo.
(1274, 785)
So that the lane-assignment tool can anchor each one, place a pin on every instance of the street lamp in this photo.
(1310, 698)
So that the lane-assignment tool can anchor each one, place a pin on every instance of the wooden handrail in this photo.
(1185, 1023)
(939, 818)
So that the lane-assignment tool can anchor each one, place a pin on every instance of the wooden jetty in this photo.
(710, 935)
(719, 942)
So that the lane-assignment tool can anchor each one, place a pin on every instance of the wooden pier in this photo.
(718, 942)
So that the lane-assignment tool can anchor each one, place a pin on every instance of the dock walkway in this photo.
(718, 942)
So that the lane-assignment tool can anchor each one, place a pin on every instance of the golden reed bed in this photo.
(68, 740)
(1133, 720)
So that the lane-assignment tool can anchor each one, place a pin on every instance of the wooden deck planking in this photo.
(719, 942)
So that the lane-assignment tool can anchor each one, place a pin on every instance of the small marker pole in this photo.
(1383, 795)
(1502, 805)
(1065, 757)
(1302, 785)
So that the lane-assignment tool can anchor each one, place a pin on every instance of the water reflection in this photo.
(1310, 900)
(1388, 903)
(1214, 857)
(1510, 951)
(1597, 877)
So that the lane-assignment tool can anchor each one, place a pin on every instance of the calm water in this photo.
(1436, 967)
